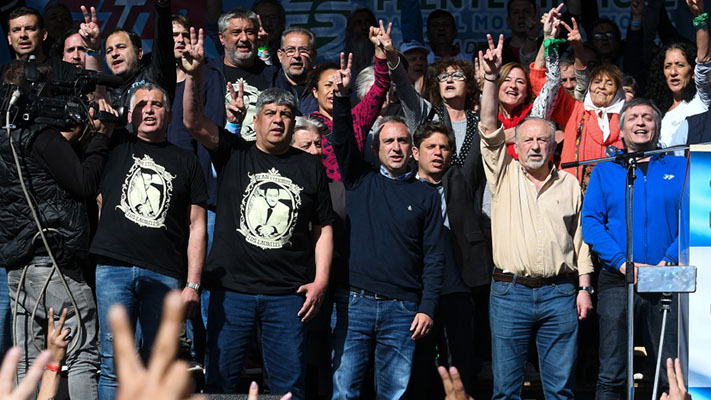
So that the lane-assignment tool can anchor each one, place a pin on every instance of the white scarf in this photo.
(614, 108)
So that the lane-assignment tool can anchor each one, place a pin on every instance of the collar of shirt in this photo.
(552, 175)
(402, 177)
(421, 179)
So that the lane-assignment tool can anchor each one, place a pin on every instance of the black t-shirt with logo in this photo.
(147, 190)
(256, 78)
(265, 206)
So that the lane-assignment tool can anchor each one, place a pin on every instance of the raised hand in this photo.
(236, 110)
(551, 22)
(452, 382)
(695, 6)
(165, 378)
(574, 38)
(194, 55)
(57, 337)
(342, 77)
(26, 389)
(677, 390)
(89, 30)
(384, 38)
(492, 60)
(262, 34)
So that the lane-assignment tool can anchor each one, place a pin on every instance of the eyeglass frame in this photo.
(444, 76)
(293, 50)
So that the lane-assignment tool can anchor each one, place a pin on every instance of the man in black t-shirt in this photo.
(273, 224)
(238, 29)
(151, 236)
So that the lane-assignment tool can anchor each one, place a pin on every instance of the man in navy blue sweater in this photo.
(396, 259)
(657, 194)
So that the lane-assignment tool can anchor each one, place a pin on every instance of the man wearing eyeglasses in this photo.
(296, 56)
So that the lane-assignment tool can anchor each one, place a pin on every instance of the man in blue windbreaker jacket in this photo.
(657, 195)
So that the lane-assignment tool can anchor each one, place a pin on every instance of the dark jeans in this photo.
(232, 326)
(460, 337)
(360, 322)
(612, 315)
(549, 315)
(141, 291)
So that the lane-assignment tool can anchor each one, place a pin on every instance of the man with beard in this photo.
(238, 30)
(296, 56)
(540, 284)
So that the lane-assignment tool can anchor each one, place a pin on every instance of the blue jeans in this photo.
(612, 316)
(359, 323)
(232, 326)
(549, 314)
(5, 314)
(141, 292)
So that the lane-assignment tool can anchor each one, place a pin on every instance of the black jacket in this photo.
(161, 69)
(63, 216)
(463, 190)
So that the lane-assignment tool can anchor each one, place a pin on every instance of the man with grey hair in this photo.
(151, 235)
(541, 284)
(296, 56)
(382, 304)
(238, 29)
(270, 259)
(659, 183)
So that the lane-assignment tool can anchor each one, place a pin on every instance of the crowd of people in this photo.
(348, 225)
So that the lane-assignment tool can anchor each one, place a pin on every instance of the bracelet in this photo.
(53, 368)
(93, 53)
(491, 80)
(635, 23)
(701, 20)
(552, 43)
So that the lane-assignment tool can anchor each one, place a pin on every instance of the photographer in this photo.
(57, 182)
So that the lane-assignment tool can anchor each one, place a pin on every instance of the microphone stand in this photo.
(630, 161)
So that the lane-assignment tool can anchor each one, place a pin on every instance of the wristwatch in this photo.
(193, 286)
(588, 289)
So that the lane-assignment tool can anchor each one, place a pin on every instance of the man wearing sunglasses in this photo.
(296, 56)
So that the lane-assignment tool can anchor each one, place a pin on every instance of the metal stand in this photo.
(630, 160)
(666, 309)
(629, 275)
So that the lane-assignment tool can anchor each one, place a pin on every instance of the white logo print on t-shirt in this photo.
(269, 210)
(146, 193)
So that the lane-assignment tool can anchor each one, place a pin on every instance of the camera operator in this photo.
(58, 182)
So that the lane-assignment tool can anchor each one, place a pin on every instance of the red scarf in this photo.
(517, 116)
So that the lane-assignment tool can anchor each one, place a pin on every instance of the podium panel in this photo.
(695, 249)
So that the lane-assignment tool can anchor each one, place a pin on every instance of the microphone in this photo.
(612, 151)
(14, 98)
